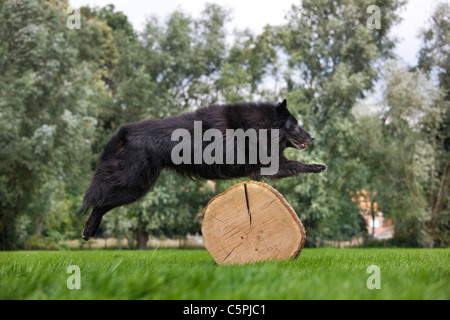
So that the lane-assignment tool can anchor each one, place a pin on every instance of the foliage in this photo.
(332, 62)
(47, 119)
(434, 58)
(64, 92)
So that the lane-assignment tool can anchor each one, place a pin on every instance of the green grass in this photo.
(177, 274)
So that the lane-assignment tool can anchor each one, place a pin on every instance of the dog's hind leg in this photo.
(93, 222)
(116, 197)
(130, 189)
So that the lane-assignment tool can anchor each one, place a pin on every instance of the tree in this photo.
(171, 71)
(332, 62)
(47, 116)
(64, 93)
(402, 159)
(248, 62)
(182, 58)
(434, 58)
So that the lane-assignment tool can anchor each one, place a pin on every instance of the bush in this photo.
(36, 242)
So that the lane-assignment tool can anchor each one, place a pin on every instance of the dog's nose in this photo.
(312, 138)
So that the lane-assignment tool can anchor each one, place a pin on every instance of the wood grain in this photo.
(250, 222)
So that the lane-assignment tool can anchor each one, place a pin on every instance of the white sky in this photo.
(255, 14)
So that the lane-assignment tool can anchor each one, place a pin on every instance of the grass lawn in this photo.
(193, 274)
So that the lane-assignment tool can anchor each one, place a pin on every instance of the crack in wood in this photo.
(217, 219)
(232, 250)
(266, 206)
(248, 206)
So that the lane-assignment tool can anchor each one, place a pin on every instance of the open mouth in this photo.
(297, 143)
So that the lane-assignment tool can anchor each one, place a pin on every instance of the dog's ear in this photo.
(282, 107)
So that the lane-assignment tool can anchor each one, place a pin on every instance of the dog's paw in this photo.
(86, 234)
(316, 168)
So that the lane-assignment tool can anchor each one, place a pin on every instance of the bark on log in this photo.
(250, 222)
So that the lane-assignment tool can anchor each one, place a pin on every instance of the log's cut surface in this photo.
(250, 222)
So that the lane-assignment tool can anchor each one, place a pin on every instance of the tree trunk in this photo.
(142, 238)
(251, 222)
(373, 220)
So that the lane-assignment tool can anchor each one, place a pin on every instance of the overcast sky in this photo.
(255, 14)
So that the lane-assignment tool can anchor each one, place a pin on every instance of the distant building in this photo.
(384, 228)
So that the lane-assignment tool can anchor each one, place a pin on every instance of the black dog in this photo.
(133, 159)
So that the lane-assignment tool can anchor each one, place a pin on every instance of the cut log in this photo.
(250, 222)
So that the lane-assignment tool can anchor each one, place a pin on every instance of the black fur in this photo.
(133, 159)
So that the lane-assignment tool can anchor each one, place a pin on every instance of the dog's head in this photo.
(292, 133)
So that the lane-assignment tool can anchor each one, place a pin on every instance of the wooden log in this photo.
(250, 222)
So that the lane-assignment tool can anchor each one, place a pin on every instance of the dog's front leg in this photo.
(292, 168)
